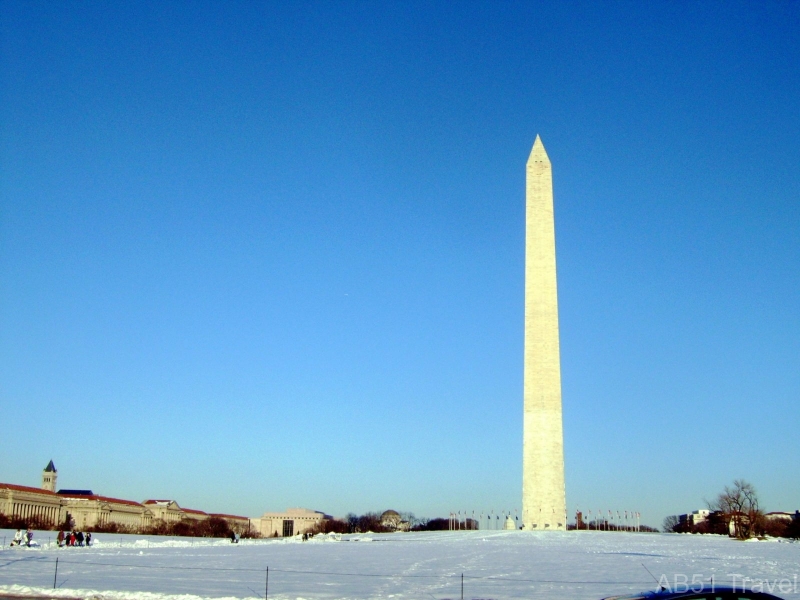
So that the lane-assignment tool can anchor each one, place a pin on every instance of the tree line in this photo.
(736, 512)
(371, 522)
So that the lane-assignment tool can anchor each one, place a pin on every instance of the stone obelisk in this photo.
(543, 497)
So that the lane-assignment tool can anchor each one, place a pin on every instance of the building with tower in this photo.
(83, 509)
(544, 504)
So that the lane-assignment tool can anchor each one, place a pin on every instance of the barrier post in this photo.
(55, 577)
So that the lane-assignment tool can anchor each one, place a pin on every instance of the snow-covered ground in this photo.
(496, 565)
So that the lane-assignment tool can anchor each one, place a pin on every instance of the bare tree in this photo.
(409, 518)
(352, 522)
(670, 524)
(739, 504)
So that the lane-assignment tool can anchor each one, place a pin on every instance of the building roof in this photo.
(75, 493)
(779, 515)
(101, 499)
(160, 502)
(293, 512)
(65, 494)
(25, 488)
(193, 511)
(224, 516)
(50, 468)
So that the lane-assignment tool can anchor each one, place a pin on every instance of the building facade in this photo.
(694, 518)
(90, 511)
(31, 503)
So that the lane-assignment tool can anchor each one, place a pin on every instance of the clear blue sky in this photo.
(255, 255)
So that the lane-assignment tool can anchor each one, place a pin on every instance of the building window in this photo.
(288, 528)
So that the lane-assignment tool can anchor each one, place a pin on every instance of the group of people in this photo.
(71, 538)
(74, 538)
(22, 538)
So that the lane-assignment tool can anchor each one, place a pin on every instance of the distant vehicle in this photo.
(718, 593)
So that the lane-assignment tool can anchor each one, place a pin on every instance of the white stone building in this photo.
(30, 503)
(86, 510)
(165, 510)
(294, 521)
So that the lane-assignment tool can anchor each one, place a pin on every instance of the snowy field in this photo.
(495, 565)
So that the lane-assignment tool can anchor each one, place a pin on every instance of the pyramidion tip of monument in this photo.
(538, 153)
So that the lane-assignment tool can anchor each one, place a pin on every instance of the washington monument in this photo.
(544, 504)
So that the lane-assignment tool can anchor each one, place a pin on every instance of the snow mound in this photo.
(75, 594)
